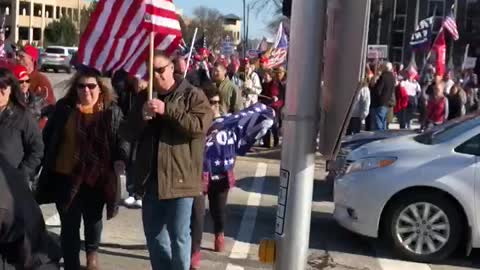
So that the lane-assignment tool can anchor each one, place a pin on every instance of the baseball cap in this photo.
(20, 72)
(32, 51)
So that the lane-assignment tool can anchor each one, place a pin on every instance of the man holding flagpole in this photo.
(170, 129)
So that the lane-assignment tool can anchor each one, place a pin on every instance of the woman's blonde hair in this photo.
(107, 95)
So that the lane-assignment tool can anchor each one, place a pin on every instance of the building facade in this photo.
(232, 25)
(25, 20)
(392, 23)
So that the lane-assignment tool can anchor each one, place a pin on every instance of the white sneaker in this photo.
(138, 203)
(130, 201)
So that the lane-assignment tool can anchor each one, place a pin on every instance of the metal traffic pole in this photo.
(300, 123)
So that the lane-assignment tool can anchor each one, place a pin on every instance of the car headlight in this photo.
(370, 163)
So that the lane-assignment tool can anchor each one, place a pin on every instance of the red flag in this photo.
(117, 35)
(441, 50)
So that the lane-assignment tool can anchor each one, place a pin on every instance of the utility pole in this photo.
(417, 18)
(301, 120)
(379, 21)
(247, 26)
(79, 17)
(244, 28)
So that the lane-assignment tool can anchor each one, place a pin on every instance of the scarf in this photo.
(93, 155)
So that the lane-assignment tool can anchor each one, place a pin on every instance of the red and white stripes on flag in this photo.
(118, 33)
(451, 26)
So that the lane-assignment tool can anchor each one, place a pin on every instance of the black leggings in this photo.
(217, 202)
(87, 204)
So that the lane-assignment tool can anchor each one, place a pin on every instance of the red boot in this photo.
(219, 242)
(195, 261)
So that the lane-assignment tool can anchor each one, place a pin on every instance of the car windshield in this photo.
(449, 130)
(55, 50)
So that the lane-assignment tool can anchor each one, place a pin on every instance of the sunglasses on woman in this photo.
(214, 102)
(24, 81)
(90, 86)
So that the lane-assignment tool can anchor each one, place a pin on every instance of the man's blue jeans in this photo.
(167, 228)
(380, 118)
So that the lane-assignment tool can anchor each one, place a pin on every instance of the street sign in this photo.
(470, 62)
(252, 53)
(282, 201)
(227, 48)
(377, 52)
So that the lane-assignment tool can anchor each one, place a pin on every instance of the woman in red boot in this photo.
(229, 136)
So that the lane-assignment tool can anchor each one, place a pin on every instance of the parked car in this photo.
(57, 58)
(352, 142)
(420, 192)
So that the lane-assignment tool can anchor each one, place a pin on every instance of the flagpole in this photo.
(150, 67)
(190, 52)
(467, 48)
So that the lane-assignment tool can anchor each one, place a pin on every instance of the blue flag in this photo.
(423, 33)
(233, 135)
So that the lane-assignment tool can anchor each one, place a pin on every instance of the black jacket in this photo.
(383, 91)
(24, 241)
(53, 136)
(20, 140)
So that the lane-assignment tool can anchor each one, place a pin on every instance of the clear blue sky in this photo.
(257, 23)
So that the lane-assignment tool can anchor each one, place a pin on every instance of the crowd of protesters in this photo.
(391, 92)
(174, 151)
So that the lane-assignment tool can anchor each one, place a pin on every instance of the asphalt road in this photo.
(250, 218)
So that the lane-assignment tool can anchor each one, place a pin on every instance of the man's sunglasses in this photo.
(161, 70)
(214, 102)
(90, 86)
(24, 81)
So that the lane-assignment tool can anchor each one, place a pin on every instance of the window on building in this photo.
(57, 10)
(75, 14)
(472, 20)
(37, 10)
(437, 7)
(230, 22)
(397, 39)
(37, 34)
(24, 8)
(49, 12)
(7, 31)
(399, 23)
(23, 33)
(64, 11)
(397, 55)
(401, 7)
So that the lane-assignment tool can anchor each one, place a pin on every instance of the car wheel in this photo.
(69, 70)
(423, 227)
(55, 70)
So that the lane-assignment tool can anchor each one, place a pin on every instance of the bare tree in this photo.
(209, 22)
(262, 5)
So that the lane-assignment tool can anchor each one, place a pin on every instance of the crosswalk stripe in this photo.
(241, 249)
(234, 267)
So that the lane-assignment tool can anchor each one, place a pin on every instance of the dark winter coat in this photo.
(24, 241)
(170, 147)
(53, 136)
(383, 91)
(21, 140)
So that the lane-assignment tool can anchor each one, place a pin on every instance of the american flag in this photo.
(118, 34)
(451, 26)
(278, 55)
